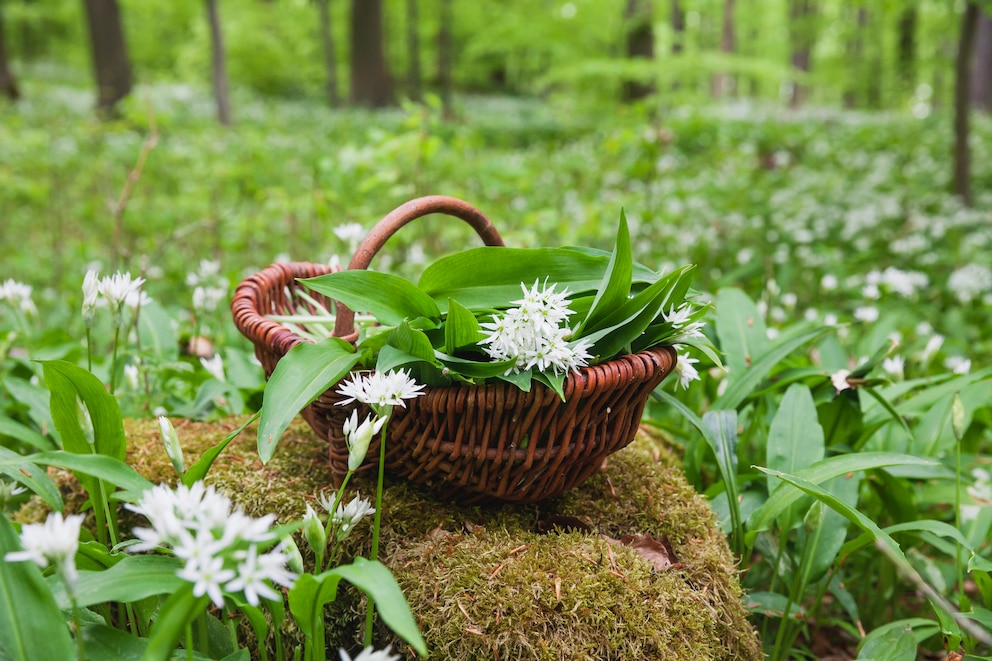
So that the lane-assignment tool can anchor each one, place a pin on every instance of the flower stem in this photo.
(113, 364)
(376, 523)
(89, 350)
(80, 650)
(330, 520)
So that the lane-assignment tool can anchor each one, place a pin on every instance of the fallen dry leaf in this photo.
(658, 552)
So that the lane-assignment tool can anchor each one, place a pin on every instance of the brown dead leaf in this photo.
(658, 552)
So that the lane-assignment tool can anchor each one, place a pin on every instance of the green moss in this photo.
(484, 582)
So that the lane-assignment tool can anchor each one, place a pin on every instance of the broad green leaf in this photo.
(179, 609)
(894, 645)
(461, 328)
(31, 625)
(300, 376)
(134, 577)
(66, 382)
(310, 594)
(21, 469)
(741, 388)
(795, 438)
(412, 341)
(772, 604)
(821, 471)
(98, 466)
(615, 286)
(389, 298)
(36, 399)
(476, 369)
(199, 470)
(921, 629)
(825, 542)
(24, 434)
(720, 431)
(110, 644)
(939, 528)
(490, 277)
(740, 330)
(555, 382)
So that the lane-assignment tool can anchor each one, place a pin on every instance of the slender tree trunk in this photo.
(801, 36)
(444, 56)
(111, 66)
(638, 16)
(218, 65)
(981, 75)
(413, 75)
(962, 96)
(8, 84)
(371, 84)
(723, 83)
(855, 59)
(906, 51)
(330, 52)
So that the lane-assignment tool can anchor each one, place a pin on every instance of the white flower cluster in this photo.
(532, 334)
(680, 321)
(219, 545)
(209, 287)
(970, 282)
(18, 295)
(346, 517)
(370, 654)
(55, 541)
(380, 390)
(117, 291)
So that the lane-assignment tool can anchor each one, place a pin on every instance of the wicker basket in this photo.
(474, 443)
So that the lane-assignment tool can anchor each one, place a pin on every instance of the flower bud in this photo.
(359, 436)
(313, 532)
(814, 518)
(958, 417)
(294, 557)
(171, 441)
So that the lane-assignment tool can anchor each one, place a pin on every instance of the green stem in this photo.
(80, 650)
(962, 599)
(189, 640)
(113, 364)
(89, 350)
(376, 524)
(330, 520)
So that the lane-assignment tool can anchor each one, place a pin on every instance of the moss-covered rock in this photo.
(544, 581)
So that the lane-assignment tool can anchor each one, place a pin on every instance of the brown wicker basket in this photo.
(474, 443)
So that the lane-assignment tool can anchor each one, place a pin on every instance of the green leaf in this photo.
(740, 330)
(475, 369)
(826, 540)
(177, 611)
(66, 382)
(461, 328)
(615, 286)
(24, 434)
(795, 438)
(21, 469)
(412, 341)
(134, 577)
(720, 431)
(98, 466)
(821, 471)
(741, 388)
(894, 645)
(300, 376)
(389, 298)
(490, 277)
(773, 604)
(555, 382)
(31, 625)
(310, 594)
(199, 470)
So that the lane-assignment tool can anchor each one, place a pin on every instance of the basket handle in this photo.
(344, 326)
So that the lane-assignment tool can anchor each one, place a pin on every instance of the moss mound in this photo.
(545, 581)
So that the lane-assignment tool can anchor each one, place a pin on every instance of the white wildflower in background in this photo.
(839, 379)
(131, 375)
(358, 437)
(116, 288)
(829, 282)
(351, 233)
(220, 547)
(685, 370)
(970, 281)
(894, 366)
(91, 292)
(981, 495)
(370, 654)
(380, 390)
(933, 346)
(868, 314)
(532, 334)
(214, 365)
(7, 491)
(958, 364)
(346, 517)
(170, 440)
(55, 541)
(18, 295)
(209, 270)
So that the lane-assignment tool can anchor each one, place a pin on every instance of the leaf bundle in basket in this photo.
(536, 363)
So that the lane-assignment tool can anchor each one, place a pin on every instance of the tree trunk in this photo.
(218, 65)
(640, 45)
(962, 96)
(981, 75)
(678, 27)
(330, 52)
(906, 51)
(370, 81)
(801, 37)
(8, 84)
(413, 76)
(723, 83)
(855, 59)
(444, 56)
(111, 65)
